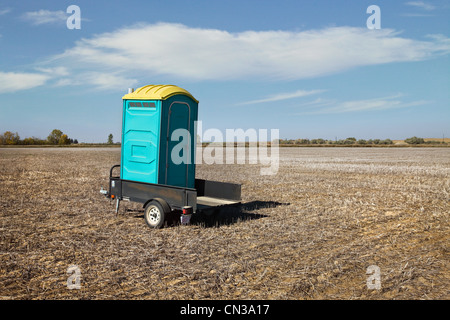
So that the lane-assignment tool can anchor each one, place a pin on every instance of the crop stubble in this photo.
(308, 232)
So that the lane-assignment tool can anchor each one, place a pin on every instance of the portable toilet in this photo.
(153, 149)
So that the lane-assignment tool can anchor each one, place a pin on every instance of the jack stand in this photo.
(117, 205)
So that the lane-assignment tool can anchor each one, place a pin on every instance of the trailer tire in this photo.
(155, 214)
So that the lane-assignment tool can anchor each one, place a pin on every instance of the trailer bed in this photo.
(204, 201)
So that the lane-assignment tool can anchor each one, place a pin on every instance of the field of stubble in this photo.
(308, 232)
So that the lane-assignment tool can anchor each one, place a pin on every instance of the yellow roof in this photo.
(157, 92)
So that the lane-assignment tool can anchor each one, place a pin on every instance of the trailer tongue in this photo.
(156, 167)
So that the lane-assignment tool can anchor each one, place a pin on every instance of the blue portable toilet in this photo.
(153, 150)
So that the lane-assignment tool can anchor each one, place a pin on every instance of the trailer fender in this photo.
(163, 203)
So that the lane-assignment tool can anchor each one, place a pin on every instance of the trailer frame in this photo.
(207, 197)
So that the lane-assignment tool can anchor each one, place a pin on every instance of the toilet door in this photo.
(140, 144)
(176, 172)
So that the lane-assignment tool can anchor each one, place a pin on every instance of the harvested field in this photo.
(308, 232)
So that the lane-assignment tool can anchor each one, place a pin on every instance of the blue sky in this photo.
(311, 69)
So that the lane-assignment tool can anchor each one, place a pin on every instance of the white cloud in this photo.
(319, 102)
(284, 96)
(60, 76)
(97, 80)
(13, 81)
(45, 17)
(417, 15)
(57, 71)
(107, 80)
(5, 11)
(175, 50)
(385, 103)
(421, 5)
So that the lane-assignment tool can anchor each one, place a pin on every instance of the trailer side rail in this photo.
(176, 197)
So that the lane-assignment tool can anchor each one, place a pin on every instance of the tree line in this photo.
(353, 141)
(56, 137)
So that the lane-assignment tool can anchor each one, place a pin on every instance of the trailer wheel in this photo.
(155, 214)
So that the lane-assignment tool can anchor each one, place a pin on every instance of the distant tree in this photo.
(350, 140)
(75, 141)
(63, 140)
(414, 140)
(302, 141)
(434, 142)
(362, 141)
(321, 141)
(9, 138)
(55, 136)
(33, 141)
(28, 141)
(287, 141)
(110, 139)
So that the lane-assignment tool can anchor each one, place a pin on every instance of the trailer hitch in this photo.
(104, 192)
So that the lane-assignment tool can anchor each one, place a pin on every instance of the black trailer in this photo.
(163, 201)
